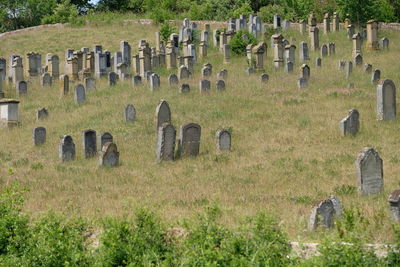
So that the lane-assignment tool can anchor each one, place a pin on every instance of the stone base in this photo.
(372, 45)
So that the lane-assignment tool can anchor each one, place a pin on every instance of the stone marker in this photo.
(331, 49)
(89, 143)
(289, 66)
(183, 73)
(375, 76)
(205, 86)
(384, 43)
(324, 50)
(104, 138)
(189, 140)
(351, 124)
(90, 84)
(64, 85)
(112, 78)
(166, 142)
(358, 60)
(67, 149)
(305, 71)
(42, 114)
(163, 113)
(372, 35)
(264, 78)
(318, 62)
(184, 88)
(302, 83)
(46, 80)
(386, 100)
(250, 71)
(223, 140)
(79, 95)
(348, 69)
(130, 113)
(369, 167)
(222, 74)
(136, 80)
(109, 155)
(368, 68)
(22, 88)
(304, 56)
(394, 205)
(342, 64)
(323, 214)
(173, 80)
(154, 82)
(39, 136)
(220, 84)
(206, 72)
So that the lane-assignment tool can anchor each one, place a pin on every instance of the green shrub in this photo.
(64, 12)
(245, 9)
(267, 13)
(166, 30)
(239, 42)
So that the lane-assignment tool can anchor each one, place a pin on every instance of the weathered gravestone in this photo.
(358, 60)
(304, 55)
(166, 142)
(318, 62)
(90, 84)
(163, 114)
(22, 88)
(222, 74)
(394, 205)
(289, 66)
(264, 78)
(220, 84)
(42, 114)
(324, 50)
(351, 124)
(67, 149)
(112, 78)
(348, 69)
(154, 82)
(323, 214)
(64, 85)
(205, 86)
(173, 80)
(46, 80)
(305, 71)
(369, 167)
(89, 144)
(375, 76)
(223, 140)
(206, 72)
(367, 68)
(189, 140)
(250, 71)
(302, 83)
(384, 43)
(104, 138)
(130, 113)
(342, 64)
(136, 80)
(183, 73)
(39, 136)
(386, 100)
(109, 155)
(80, 94)
(184, 88)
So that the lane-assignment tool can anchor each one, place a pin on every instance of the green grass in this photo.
(287, 152)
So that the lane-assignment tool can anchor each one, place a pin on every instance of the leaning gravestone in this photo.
(264, 78)
(104, 138)
(375, 76)
(163, 114)
(351, 124)
(130, 113)
(39, 136)
(67, 149)
(80, 95)
(137, 80)
(394, 204)
(223, 140)
(90, 84)
(154, 82)
(89, 143)
(173, 80)
(220, 84)
(189, 140)
(369, 167)
(166, 142)
(22, 88)
(184, 88)
(323, 214)
(205, 86)
(112, 78)
(386, 100)
(109, 155)
(42, 114)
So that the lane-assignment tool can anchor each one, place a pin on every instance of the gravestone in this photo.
(342, 64)
(394, 205)
(250, 71)
(136, 80)
(79, 95)
(302, 83)
(130, 113)
(189, 140)
(305, 71)
(104, 138)
(331, 49)
(166, 142)
(348, 69)
(64, 85)
(289, 66)
(154, 82)
(318, 62)
(183, 73)
(386, 100)
(368, 68)
(42, 114)
(375, 76)
(220, 84)
(46, 80)
(90, 84)
(323, 214)
(67, 149)
(39, 136)
(369, 169)
(109, 155)
(324, 50)
(304, 55)
(222, 74)
(358, 60)
(223, 140)
(89, 143)
(264, 78)
(205, 86)
(163, 113)
(351, 124)
(112, 78)
(22, 88)
(173, 80)
(206, 72)
(384, 42)
(184, 88)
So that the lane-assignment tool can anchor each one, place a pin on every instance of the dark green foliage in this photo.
(358, 11)
(239, 42)
(166, 30)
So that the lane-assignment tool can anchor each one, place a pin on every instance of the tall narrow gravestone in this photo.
(163, 114)
(394, 204)
(64, 85)
(39, 136)
(189, 140)
(223, 140)
(369, 167)
(109, 155)
(386, 100)
(351, 124)
(80, 94)
(104, 138)
(166, 142)
(89, 143)
(67, 149)
(130, 113)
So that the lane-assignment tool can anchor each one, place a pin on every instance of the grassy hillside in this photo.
(287, 151)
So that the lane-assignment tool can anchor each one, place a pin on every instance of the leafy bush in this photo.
(239, 42)
(63, 13)
(267, 13)
(166, 30)
(245, 9)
